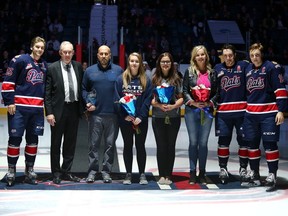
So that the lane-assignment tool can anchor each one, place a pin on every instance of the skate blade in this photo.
(10, 184)
(224, 181)
(271, 188)
(29, 181)
(251, 184)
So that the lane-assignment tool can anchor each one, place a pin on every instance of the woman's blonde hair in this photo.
(194, 68)
(127, 76)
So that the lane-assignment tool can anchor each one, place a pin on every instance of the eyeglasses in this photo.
(165, 62)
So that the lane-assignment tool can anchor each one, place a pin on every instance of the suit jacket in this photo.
(55, 92)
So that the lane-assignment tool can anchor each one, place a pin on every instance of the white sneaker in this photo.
(143, 180)
(162, 181)
(168, 181)
(127, 180)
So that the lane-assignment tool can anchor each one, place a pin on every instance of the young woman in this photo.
(198, 113)
(166, 132)
(134, 82)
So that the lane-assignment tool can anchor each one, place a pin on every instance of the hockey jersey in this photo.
(265, 88)
(231, 88)
(24, 82)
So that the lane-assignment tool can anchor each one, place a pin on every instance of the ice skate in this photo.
(223, 176)
(242, 174)
(252, 179)
(270, 182)
(30, 176)
(10, 176)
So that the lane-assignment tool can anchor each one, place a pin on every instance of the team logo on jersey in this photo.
(254, 84)
(238, 69)
(34, 76)
(227, 83)
(9, 71)
(28, 66)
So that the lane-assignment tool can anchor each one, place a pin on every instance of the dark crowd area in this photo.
(150, 26)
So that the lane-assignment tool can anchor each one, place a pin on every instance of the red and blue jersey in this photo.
(231, 88)
(265, 89)
(24, 82)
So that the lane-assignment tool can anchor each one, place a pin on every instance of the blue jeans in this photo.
(198, 133)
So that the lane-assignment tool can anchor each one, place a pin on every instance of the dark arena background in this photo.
(149, 27)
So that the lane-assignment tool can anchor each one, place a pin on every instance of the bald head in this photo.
(104, 55)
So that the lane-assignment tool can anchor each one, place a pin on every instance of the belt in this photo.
(68, 102)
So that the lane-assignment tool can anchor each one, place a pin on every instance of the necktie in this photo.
(71, 86)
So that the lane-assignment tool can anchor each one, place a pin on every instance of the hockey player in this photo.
(231, 109)
(23, 94)
(266, 101)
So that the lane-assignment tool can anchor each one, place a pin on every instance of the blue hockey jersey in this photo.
(231, 88)
(265, 88)
(24, 82)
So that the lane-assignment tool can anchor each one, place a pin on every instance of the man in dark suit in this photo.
(63, 106)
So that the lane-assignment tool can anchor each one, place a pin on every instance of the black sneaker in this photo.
(202, 178)
(192, 179)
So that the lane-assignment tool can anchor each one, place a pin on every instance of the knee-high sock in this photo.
(272, 156)
(13, 150)
(254, 156)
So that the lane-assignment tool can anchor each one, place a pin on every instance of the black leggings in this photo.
(165, 136)
(128, 134)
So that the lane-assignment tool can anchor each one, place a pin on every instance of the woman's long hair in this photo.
(158, 76)
(194, 68)
(127, 76)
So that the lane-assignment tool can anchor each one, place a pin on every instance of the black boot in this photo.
(202, 177)
(192, 177)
